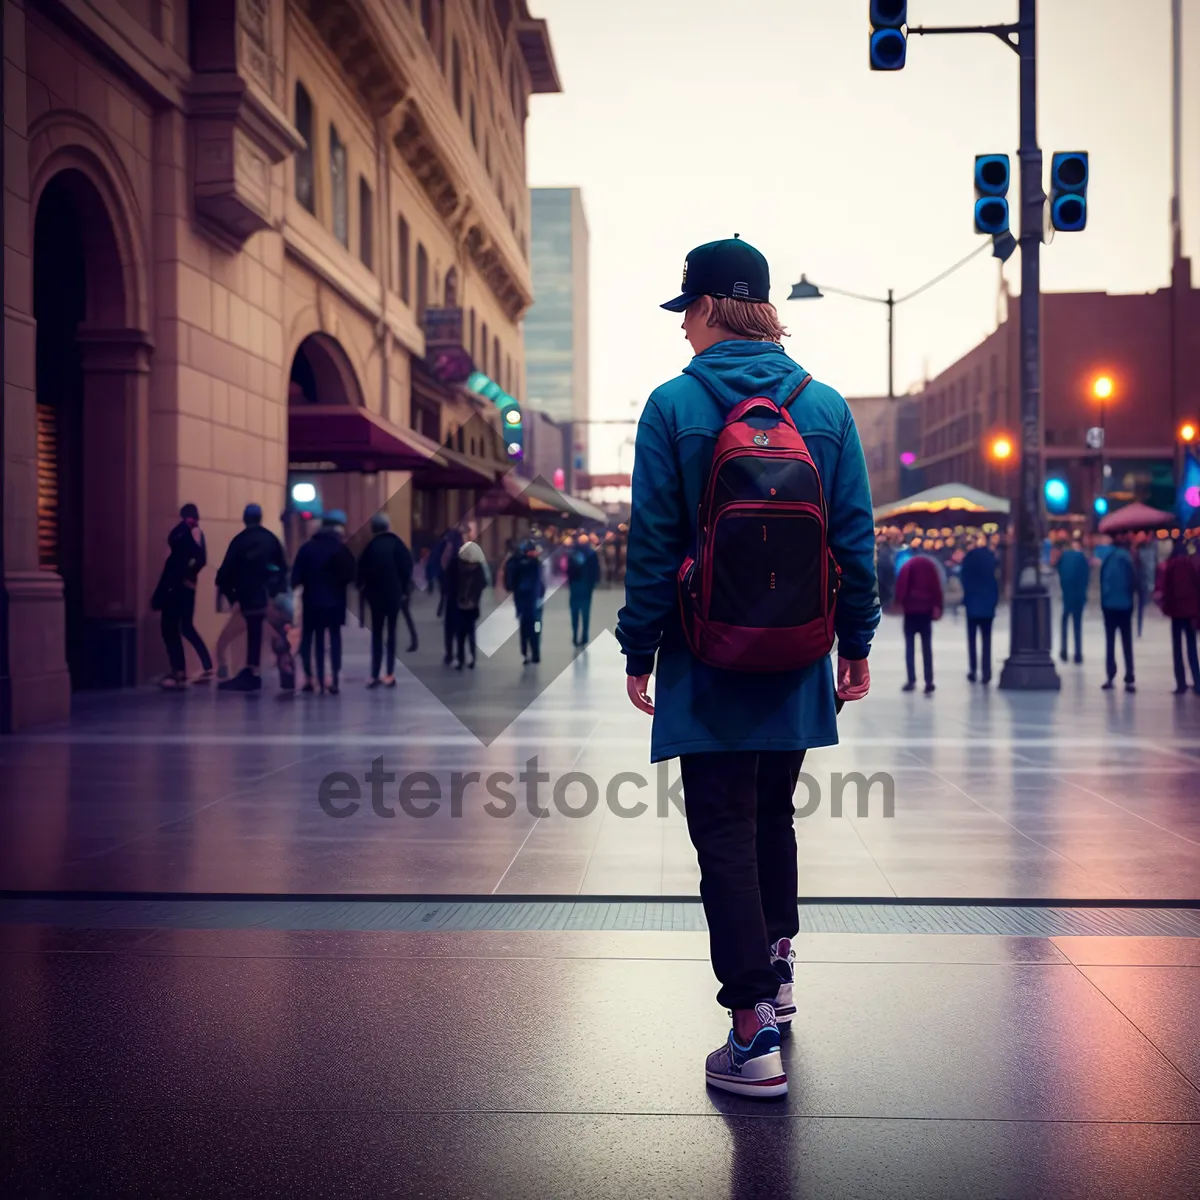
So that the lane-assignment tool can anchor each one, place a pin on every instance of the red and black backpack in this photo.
(760, 590)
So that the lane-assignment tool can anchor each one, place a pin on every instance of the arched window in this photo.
(340, 187)
(452, 288)
(305, 191)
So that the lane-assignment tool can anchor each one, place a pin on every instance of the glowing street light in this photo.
(1102, 387)
(1001, 448)
(304, 493)
(1187, 431)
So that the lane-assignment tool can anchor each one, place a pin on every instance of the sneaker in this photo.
(971, 677)
(373, 683)
(782, 959)
(1129, 687)
(244, 681)
(753, 1070)
(930, 688)
(1107, 686)
(1181, 690)
(910, 686)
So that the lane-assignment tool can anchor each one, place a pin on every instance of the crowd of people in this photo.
(256, 585)
(922, 574)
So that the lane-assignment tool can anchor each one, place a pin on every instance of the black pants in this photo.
(254, 633)
(739, 815)
(465, 632)
(531, 635)
(1118, 619)
(449, 626)
(1075, 615)
(178, 612)
(581, 615)
(383, 624)
(918, 624)
(312, 630)
(1182, 630)
(984, 627)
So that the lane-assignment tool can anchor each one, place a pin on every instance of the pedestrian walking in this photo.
(981, 594)
(525, 580)
(254, 569)
(281, 617)
(324, 568)
(472, 578)
(1118, 593)
(583, 574)
(175, 598)
(919, 594)
(1073, 572)
(385, 580)
(1177, 590)
(741, 732)
(446, 553)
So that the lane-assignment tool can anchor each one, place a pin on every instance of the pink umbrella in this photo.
(1137, 516)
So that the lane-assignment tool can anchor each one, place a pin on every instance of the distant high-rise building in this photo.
(556, 327)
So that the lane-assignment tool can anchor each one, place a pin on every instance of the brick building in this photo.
(1148, 345)
(239, 239)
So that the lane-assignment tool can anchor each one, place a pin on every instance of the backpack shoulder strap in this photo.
(799, 388)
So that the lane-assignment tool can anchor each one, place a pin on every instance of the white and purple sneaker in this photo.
(783, 958)
(751, 1070)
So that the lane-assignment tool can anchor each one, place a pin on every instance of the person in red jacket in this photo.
(1177, 590)
(919, 594)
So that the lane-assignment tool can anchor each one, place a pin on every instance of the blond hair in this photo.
(755, 320)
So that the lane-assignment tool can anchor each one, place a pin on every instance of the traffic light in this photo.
(1057, 495)
(1068, 190)
(992, 175)
(888, 43)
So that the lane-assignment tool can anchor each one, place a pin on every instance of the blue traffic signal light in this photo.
(1068, 190)
(1057, 495)
(992, 177)
(888, 43)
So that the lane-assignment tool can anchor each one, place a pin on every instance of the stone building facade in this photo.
(229, 227)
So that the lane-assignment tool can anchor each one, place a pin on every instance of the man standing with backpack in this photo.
(752, 545)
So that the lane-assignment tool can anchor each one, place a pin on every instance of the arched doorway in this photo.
(86, 440)
(321, 375)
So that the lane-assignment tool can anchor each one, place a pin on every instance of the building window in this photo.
(365, 223)
(422, 282)
(427, 18)
(451, 292)
(474, 134)
(340, 185)
(483, 349)
(472, 335)
(496, 355)
(405, 273)
(456, 75)
(305, 192)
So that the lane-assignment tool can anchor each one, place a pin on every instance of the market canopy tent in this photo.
(944, 500)
(1137, 516)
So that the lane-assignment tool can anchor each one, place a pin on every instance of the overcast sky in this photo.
(688, 120)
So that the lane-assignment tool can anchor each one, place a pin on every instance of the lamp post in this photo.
(807, 290)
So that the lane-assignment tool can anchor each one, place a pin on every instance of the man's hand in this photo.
(853, 678)
(636, 686)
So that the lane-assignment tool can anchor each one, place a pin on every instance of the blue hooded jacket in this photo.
(1073, 572)
(981, 593)
(1118, 580)
(700, 708)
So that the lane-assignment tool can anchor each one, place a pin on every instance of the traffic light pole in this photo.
(1030, 664)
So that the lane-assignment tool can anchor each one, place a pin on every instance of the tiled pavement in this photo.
(162, 1051)
(1073, 795)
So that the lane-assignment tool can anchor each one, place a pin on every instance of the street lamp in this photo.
(807, 290)
(1000, 449)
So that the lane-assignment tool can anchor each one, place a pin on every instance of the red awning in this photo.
(353, 438)
(454, 470)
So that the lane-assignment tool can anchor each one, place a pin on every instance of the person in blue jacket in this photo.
(583, 573)
(981, 594)
(740, 737)
(525, 579)
(1118, 591)
(1073, 572)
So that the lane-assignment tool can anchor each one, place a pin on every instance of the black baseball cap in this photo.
(731, 269)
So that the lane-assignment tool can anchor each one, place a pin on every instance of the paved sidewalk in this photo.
(1069, 795)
